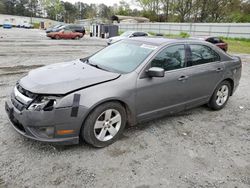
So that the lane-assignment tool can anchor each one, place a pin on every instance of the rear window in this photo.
(201, 54)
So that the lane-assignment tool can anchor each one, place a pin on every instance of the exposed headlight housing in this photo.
(43, 103)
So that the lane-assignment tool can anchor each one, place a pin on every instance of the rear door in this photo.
(204, 71)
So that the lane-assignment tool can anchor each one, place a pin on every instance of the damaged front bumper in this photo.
(55, 126)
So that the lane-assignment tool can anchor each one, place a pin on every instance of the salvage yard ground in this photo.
(195, 148)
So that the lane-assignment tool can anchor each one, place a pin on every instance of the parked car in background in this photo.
(7, 25)
(55, 28)
(75, 28)
(127, 34)
(65, 34)
(214, 40)
(28, 26)
(129, 82)
(25, 24)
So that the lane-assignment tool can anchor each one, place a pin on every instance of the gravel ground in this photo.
(195, 148)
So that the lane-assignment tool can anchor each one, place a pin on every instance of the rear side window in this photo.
(201, 54)
(170, 58)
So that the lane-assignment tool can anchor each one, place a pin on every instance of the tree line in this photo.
(155, 10)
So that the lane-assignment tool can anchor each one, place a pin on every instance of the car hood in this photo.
(62, 78)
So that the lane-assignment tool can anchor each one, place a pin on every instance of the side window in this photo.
(201, 54)
(170, 58)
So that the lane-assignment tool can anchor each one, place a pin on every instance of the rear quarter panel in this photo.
(233, 70)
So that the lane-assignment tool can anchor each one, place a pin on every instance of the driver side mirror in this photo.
(156, 72)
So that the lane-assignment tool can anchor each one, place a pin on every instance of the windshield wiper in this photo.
(86, 60)
(97, 66)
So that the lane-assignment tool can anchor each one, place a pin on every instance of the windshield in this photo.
(122, 57)
(127, 33)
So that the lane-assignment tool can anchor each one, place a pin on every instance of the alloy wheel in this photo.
(107, 125)
(222, 95)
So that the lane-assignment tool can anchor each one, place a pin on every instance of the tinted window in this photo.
(201, 54)
(170, 58)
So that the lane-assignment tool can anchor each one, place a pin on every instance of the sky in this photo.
(106, 2)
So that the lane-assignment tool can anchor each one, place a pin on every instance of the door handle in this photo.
(219, 69)
(183, 78)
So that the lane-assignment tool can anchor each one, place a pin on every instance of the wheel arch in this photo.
(231, 81)
(129, 114)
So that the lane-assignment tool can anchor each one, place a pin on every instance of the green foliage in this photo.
(184, 35)
(181, 35)
(36, 25)
(120, 32)
(152, 33)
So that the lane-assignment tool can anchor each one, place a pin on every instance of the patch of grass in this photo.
(238, 46)
(120, 32)
(174, 36)
(184, 35)
(36, 25)
(152, 33)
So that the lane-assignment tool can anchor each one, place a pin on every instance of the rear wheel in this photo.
(104, 124)
(77, 38)
(57, 37)
(220, 96)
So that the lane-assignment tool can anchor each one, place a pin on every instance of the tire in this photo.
(99, 130)
(57, 37)
(220, 96)
(77, 38)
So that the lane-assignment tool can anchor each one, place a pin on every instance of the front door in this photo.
(157, 96)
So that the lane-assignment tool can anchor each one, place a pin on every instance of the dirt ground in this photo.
(195, 148)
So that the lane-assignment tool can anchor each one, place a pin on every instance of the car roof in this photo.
(158, 41)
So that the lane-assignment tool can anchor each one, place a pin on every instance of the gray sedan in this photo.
(132, 81)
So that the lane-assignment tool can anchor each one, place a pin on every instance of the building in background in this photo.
(42, 23)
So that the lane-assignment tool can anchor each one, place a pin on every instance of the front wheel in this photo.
(104, 124)
(57, 37)
(220, 96)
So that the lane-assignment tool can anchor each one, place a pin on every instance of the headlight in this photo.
(43, 103)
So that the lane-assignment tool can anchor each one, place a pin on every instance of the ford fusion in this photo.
(131, 81)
